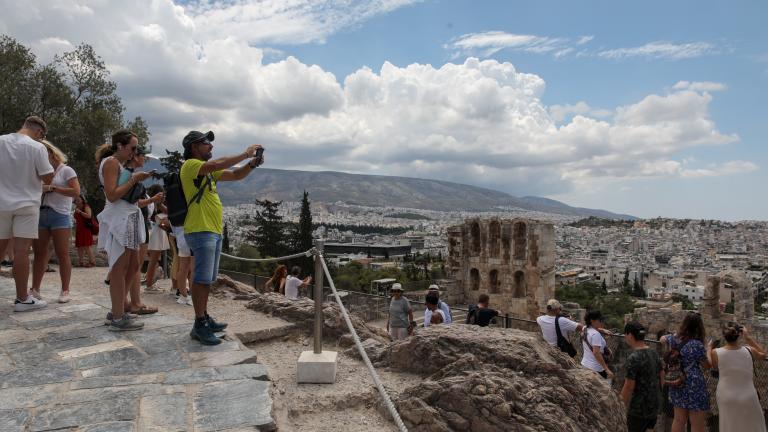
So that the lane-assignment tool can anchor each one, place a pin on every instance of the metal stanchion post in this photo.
(318, 298)
(317, 366)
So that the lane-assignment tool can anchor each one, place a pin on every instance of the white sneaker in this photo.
(184, 300)
(189, 301)
(35, 294)
(64, 297)
(31, 303)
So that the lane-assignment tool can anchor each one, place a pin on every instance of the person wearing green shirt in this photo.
(203, 224)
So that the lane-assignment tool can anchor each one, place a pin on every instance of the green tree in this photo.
(625, 282)
(172, 161)
(686, 303)
(637, 290)
(94, 112)
(268, 234)
(73, 94)
(141, 129)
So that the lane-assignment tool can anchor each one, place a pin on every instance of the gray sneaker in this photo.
(108, 320)
(125, 324)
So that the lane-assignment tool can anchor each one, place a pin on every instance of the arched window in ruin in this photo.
(494, 239)
(520, 240)
(506, 240)
(519, 284)
(474, 279)
(493, 282)
(475, 233)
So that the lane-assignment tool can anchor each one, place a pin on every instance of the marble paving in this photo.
(61, 369)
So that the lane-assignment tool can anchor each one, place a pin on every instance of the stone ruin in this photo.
(511, 260)
(670, 318)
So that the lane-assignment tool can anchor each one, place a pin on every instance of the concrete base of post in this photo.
(316, 368)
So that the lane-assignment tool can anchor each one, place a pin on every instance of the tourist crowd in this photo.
(36, 209)
(651, 382)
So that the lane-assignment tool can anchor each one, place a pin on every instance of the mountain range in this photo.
(387, 191)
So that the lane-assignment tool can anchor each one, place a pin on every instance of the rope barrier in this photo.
(382, 391)
(361, 350)
(300, 254)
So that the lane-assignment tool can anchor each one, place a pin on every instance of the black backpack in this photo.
(175, 200)
(563, 343)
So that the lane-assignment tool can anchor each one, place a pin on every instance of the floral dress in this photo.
(693, 395)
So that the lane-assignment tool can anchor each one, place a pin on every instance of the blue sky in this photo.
(646, 108)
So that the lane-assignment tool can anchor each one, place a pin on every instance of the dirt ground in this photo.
(351, 404)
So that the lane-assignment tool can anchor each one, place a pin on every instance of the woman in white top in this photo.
(737, 402)
(593, 345)
(55, 222)
(158, 237)
(121, 228)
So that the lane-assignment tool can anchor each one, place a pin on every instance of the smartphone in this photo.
(259, 152)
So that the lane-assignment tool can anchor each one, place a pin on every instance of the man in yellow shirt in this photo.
(203, 224)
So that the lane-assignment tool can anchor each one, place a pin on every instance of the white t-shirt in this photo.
(443, 309)
(58, 202)
(547, 324)
(596, 340)
(292, 287)
(22, 162)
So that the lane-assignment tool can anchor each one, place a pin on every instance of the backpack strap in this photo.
(199, 195)
(558, 333)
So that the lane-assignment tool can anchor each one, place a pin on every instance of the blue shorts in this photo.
(51, 220)
(206, 248)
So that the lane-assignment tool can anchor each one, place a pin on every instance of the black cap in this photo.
(195, 136)
(141, 150)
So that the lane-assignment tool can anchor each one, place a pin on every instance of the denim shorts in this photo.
(206, 248)
(51, 220)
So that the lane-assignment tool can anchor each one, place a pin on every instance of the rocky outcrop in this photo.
(302, 313)
(225, 286)
(493, 380)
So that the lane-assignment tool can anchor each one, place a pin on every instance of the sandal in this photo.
(145, 310)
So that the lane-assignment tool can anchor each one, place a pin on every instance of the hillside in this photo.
(381, 191)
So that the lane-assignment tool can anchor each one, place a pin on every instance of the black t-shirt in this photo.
(481, 316)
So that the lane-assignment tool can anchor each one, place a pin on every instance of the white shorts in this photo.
(22, 223)
(181, 243)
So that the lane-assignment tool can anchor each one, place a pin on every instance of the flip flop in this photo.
(145, 310)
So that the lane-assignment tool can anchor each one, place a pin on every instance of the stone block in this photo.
(131, 391)
(157, 341)
(61, 416)
(118, 426)
(13, 420)
(162, 362)
(115, 381)
(46, 373)
(95, 349)
(316, 368)
(265, 334)
(105, 358)
(203, 359)
(80, 307)
(163, 413)
(233, 404)
(210, 374)
(29, 397)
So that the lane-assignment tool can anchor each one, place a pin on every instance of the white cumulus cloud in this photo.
(481, 122)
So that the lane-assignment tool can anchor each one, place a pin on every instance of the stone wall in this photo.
(511, 260)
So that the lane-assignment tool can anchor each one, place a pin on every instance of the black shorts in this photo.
(639, 424)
